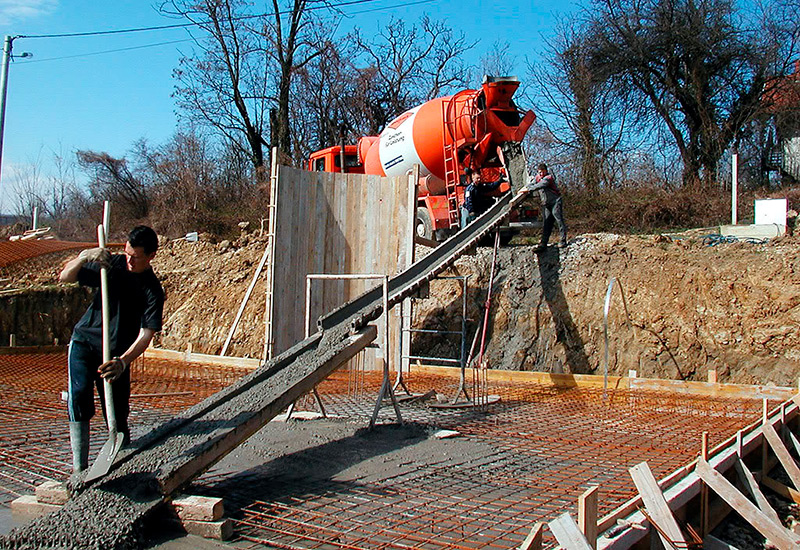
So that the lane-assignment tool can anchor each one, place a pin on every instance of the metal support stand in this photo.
(480, 396)
(399, 382)
(386, 386)
(462, 360)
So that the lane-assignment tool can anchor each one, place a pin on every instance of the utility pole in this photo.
(7, 47)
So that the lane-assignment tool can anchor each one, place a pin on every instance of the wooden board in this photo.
(732, 391)
(587, 515)
(534, 539)
(336, 224)
(780, 489)
(775, 533)
(655, 503)
(749, 481)
(567, 533)
(783, 455)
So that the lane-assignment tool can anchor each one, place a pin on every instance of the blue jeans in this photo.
(467, 217)
(82, 363)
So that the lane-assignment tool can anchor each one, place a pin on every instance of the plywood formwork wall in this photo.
(333, 223)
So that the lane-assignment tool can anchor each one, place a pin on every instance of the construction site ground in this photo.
(333, 483)
(730, 307)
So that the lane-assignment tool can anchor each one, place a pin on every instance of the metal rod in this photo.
(606, 308)
(442, 359)
(432, 331)
(106, 217)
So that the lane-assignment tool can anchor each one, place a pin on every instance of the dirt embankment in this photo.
(732, 307)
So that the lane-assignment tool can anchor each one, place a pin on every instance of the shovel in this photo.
(109, 451)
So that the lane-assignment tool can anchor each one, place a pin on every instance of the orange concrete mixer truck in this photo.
(478, 129)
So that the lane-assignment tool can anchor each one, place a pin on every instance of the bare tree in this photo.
(225, 84)
(406, 65)
(579, 104)
(323, 111)
(113, 179)
(28, 188)
(498, 61)
(701, 65)
(295, 41)
(239, 79)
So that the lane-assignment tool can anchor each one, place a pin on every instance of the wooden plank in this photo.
(783, 455)
(430, 243)
(713, 543)
(534, 539)
(587, 515)
(655, 504)
(733, 391)
(780, 489)
(752, 485)
(742, 391)
(191, 357)
(793, 439)
(775, 533)
(567, 533)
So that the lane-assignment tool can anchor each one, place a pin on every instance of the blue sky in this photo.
(106, 92)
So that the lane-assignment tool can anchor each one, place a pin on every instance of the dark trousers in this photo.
(82, 364)
(553, 213)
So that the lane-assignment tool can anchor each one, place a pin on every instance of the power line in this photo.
(394, 6)
(193, 24)
(103, 52)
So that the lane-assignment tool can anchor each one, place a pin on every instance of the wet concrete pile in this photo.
(111, 514)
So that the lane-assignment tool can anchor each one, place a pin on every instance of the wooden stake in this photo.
(534, 539)
(786, 460)
(587, 515)
(749, 481)
(656, 504)
(704, 489)
(567, 533)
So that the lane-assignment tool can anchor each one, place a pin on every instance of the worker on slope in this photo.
(476, 196)
(136, 303)
(552, 205)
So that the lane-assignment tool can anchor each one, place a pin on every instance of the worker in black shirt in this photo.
(476, 196)
(136, 303)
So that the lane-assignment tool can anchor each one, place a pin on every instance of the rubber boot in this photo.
(79, 441)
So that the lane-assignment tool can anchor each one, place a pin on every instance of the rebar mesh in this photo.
(34, 434)
(536, 451)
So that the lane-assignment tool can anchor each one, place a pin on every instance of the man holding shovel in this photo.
(136, 302)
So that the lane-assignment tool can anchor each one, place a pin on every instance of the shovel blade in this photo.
(106, 457)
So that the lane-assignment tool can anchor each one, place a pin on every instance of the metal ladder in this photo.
(451, 172)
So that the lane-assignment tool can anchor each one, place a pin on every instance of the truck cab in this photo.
(330, 160)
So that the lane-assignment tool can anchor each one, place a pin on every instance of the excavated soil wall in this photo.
(39, 317)
(730, 307)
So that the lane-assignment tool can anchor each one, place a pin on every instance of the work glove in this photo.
(111, 370)
(99, 255)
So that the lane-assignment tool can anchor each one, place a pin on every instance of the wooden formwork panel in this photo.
(334, 224)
